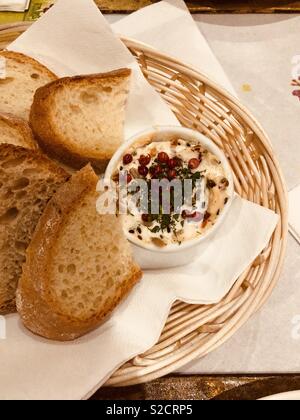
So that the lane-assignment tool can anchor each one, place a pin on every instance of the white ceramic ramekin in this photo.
(172, 255)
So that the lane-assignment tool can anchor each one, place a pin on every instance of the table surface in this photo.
(256, 52)
(204, 388)
(208, 6)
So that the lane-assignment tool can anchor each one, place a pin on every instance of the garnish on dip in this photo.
(175, 191)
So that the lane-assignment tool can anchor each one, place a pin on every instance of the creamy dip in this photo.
(167, 162)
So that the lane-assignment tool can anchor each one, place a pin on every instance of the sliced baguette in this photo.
(27, 182)
(14, 130)
(24, 76)
(80, 119)
(78, 267)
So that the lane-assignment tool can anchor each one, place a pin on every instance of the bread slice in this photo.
(79, 264)
(24, 76)
(80, 119)
(14, 130)
(27, 182)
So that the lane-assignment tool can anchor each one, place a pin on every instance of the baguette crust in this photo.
(23, 128)
(50, 139)
(8, 307)
(24, 59)
(35, 303)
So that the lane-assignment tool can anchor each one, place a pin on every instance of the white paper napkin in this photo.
(71, 38)
(294, 216)
(169, 27)
(14, 5)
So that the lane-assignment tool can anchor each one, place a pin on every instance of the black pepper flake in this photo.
(206, 216)
(140, 237)
(139, 230)
(225, 182)
(226, 200)
(210, 184)
(205, 219)
(218, 212)
(131, 231)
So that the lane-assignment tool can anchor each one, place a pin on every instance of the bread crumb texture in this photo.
(80, 119)
(27, 182)
(24, 76)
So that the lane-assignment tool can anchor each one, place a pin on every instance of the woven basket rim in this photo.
(140, 369)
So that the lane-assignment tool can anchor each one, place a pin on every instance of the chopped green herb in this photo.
(156, 229)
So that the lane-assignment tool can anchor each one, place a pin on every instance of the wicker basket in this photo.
(192, 331)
